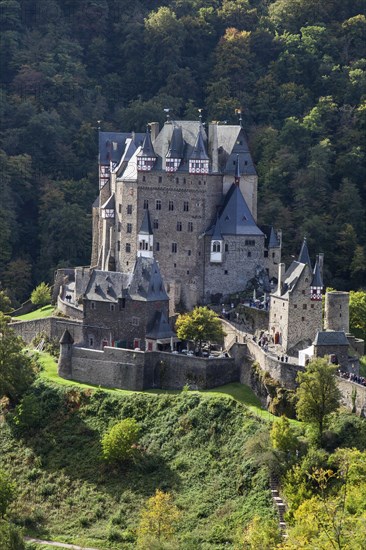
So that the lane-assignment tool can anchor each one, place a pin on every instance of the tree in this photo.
(158, 519)
(7, 492)
(119, 443)
(200, 325)
(357, 312)
(17, 370)
(41, 295)
(5, 302)
(318, 394)
(261, 533)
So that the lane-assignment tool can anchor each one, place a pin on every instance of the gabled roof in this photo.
(304, 257)
(112, 145)
(176, 145)
(107, 286)
(235, 216)
(317, 280)
(199, 150)
(147, 149)
(110, 204)
(146, 227)
(331, 338)
(292, 277)
(159, 328)
(231, 140)
(147, 283)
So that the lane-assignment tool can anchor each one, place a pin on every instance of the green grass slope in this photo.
(45, 311)
(195, 446)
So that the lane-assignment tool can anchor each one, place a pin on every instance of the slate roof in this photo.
(232, 141)
(176, 145)
(292, 277)
(271, 240)
(199, 150)
(112, 145)
(110, 204)
(107, 286)
(159, 328)
(146, 227)
(331, 338)
(66, 338)
(147, 149)
(147, 283)
(304, 257)
(217, 235)
(235, 216)
(317, 280)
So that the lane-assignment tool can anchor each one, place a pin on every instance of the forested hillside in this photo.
(295, 67)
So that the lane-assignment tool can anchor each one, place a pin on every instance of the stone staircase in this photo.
(279, 504)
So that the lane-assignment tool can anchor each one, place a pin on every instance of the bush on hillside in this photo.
(119, 443)
(41, 295)
(7, 492)
(10, 537)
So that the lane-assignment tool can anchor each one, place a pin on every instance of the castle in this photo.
(188, 199)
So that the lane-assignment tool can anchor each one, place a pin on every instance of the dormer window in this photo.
(172, 164)
(145, 164)
(198, 166)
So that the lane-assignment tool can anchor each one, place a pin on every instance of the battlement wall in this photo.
(53, 327)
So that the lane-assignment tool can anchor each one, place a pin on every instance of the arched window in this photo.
(216, 246)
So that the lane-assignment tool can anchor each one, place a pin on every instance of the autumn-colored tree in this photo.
(200, 325)
(260, 533)
(41, 295)
(158, 519)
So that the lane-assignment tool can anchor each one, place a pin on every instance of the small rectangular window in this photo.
(304, 306)
(190, 227)
(111, 307)
(179, 226)
(249, 242)
(118, 245)
(160, 179)
(129, 209)
(171, 206)
(185, 206)
(266, 253)
(129, 228)
(158, 204)
(174, 248)
(122, 304)
(189, 252)
(157, 246)
(119, 226)
(91, 342)
(128, 248)
(92, 305)
(156, 224)
(120, 208)
(146, 204)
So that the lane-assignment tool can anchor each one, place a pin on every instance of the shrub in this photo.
(10, 537)
(7, 492)
(41, 295)
(119, 443)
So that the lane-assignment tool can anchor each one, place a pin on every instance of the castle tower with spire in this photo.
(187, 197)
(296, 305)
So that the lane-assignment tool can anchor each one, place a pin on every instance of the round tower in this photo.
(337, 311)
(65, 360)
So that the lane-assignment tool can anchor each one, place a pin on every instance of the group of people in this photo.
(352, 377)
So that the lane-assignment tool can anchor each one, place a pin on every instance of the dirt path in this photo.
(58, 544)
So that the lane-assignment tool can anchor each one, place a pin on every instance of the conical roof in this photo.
(147, 283)
(160, 327)
(317, 280)
(176, 145)
(146, 227)
(66, 338)
(147, 149)
(199, 149)
(304, 257)
(273, 240)
(235, 217)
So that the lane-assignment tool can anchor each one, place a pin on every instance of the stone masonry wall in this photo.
(133, 370)
(54, 327)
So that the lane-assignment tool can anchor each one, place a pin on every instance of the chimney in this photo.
(279, 236)
(321, 263)
(213, 147)
(154, 130)
(281, 276)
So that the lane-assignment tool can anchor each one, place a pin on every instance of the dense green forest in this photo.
(295, 67)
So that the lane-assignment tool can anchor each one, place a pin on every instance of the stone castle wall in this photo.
(134, 370)
(54, 327)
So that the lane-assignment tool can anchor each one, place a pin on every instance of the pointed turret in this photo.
(145, 237)
(108, 207)
(273, 241)
(146, 157)
(317, 282)
(198, 160)
(304, 257)
(175, 152)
